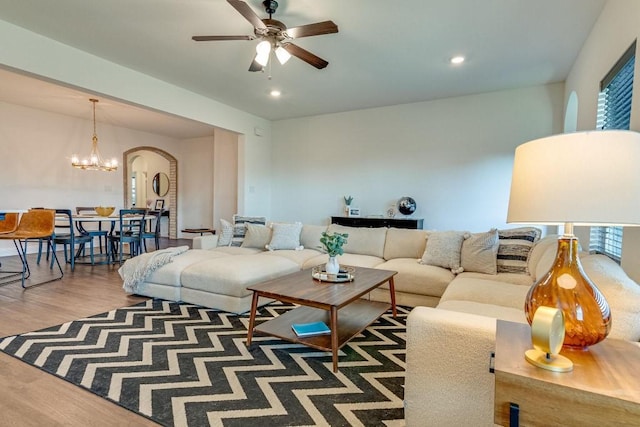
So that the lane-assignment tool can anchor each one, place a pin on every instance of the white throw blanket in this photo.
(135, 270)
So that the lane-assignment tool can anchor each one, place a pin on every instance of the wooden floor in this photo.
(31, 397)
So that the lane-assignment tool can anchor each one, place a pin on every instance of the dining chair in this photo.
(8, 222)
(129, 231)
(99, 233)
(33, 225)
(154, 231)
(66, 235)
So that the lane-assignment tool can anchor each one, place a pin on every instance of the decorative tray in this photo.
(346, 274)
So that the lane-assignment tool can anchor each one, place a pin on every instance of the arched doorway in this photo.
(171, 198)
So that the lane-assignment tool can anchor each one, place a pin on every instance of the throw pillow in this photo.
(443, 249)
(479, 252)
(285, 236)
(256, 236)
(239, 228)
(226, 233)
(514, 248)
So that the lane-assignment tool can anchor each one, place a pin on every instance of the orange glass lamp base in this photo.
(586, 313)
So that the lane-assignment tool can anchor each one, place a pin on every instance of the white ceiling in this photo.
(385, 53)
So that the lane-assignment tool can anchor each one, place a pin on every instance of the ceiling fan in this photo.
(276, 36)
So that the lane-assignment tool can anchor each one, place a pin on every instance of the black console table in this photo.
(378, 222)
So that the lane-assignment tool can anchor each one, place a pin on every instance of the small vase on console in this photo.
(332, 266)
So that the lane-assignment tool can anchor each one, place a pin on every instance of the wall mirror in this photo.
(160, 184)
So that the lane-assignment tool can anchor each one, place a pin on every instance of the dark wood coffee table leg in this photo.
(252, 317)
(392, 291)
(334, 337)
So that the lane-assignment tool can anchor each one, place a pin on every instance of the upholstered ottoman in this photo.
(222, 282)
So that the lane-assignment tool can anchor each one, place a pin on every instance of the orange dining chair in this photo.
(34, 224)
(8, 222)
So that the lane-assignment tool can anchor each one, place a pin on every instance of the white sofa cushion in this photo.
(169, 274)
(232, 274)
(482, 309)
(486, 292)
(299, 257)
(416, 278)
(515, 278)
(310, 236)
(362, 241)
(404, 243)
(345, 259)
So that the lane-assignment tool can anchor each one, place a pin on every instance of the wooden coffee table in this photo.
(321, 301)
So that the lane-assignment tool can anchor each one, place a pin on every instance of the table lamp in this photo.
(582, 178)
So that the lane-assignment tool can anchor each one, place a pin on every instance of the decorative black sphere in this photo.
(406, 205)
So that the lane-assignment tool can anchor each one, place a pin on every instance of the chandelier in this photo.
(94, 162)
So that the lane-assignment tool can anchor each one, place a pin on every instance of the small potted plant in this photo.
(347, 204)
(332, 245)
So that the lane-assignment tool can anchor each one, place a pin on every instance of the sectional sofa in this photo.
(217, 276)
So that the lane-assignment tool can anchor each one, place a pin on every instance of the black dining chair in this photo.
(65, 235)
(99, 233)
(130, 229)
(154, 230)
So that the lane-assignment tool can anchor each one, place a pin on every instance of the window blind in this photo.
(614, 112)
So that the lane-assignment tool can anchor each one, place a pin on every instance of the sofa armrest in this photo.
(208, 241)
(448, 382)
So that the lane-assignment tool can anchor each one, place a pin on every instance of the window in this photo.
(614, 112)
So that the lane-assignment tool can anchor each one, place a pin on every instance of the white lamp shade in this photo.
(282, 55)
(584, 178)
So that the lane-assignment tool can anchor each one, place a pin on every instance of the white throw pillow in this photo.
(226, 233)
(443, 249)
(285, 236)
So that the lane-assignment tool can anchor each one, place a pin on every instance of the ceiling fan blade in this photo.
(255, 66)
(325, 27)
(248, 13)
(305, 55)
(216, 38)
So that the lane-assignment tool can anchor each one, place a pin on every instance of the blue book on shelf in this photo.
(309, 329)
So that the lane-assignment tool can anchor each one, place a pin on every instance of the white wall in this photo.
(195, 183)
(40, 56)
(616, 29)
(453, 156)
(35, 165)
(225, 178)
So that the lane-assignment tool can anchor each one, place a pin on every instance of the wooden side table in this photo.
(199, 230)
(602, 390)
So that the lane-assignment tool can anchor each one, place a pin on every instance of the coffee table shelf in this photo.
(353, 319)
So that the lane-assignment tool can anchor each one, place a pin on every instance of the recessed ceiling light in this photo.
(457, 59)
(275, 93)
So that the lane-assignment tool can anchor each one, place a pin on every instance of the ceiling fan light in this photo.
(263, 48)
(262, 59)
(282, 55)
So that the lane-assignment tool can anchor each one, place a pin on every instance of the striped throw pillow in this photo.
(514, 249)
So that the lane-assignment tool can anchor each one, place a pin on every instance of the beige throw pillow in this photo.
(443, 249)
(479, 252)
(257, 236)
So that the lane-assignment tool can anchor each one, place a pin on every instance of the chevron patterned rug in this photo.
(184, 365)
